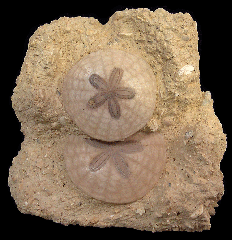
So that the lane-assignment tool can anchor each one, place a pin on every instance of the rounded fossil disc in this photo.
(110, 94)
(116, 172)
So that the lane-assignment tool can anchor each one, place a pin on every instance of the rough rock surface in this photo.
(191, 184)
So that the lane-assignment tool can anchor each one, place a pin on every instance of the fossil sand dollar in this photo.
(110, 94)
(117, 172)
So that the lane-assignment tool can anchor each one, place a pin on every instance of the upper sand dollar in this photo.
(110, 94)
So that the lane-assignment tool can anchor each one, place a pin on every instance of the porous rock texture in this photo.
(190, 186)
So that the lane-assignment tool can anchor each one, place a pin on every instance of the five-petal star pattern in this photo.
(109, 91)
(115, 152)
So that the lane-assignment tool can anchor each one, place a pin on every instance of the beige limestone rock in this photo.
(191, 184)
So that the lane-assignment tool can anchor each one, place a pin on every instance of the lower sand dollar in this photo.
(110, 94)
(117, 172)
